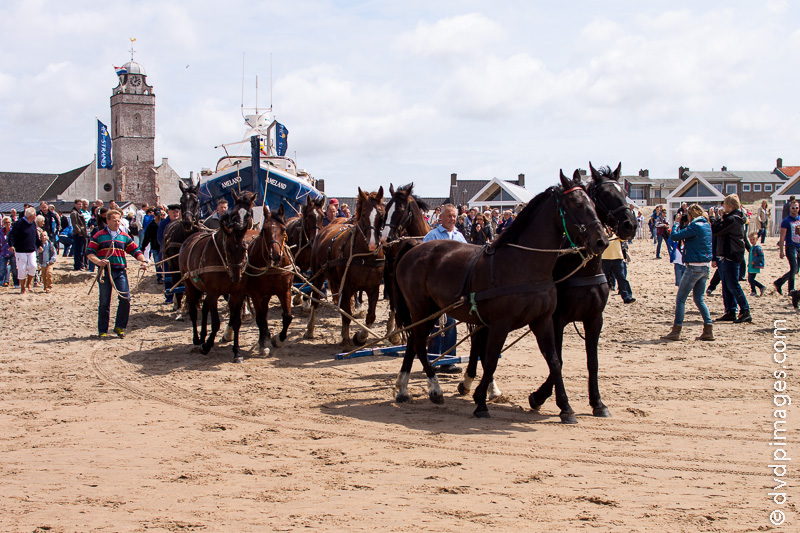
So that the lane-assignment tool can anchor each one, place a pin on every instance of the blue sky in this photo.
(379, 92)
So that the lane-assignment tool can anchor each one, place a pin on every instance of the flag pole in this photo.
(96, 143)
(95, 178)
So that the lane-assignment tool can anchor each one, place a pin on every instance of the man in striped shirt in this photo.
(111, 244)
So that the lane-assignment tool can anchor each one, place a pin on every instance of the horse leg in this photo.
(360, 338)
(592, 329)
(545, 390)
(309, 334)
(391, 324)
(211, 304)
(346, 300)
(405, 371)
(286, 307)
(477, 347)
(545, 337)
(421, 348)
(235, 322)
(191, 297)
(263, 329)
(204, 313)
(495, 338)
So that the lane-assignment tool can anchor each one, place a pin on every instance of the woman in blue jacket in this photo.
(696, 239)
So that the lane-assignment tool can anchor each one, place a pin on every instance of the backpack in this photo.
(758, 257)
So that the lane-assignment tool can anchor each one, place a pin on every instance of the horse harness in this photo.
(354, 261)
(226, 265)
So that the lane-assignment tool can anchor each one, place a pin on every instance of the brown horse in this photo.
(177, 232)
(507, 284)
(269, 273)
(331, 254)
(213, 264)
(405, 227)
(301, 230)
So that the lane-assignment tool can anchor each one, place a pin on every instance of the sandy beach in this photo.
(148, 434)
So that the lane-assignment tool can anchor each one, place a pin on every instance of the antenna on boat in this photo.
(270, 81)
(242, 85)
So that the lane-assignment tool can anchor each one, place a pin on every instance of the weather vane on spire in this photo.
(132, 50)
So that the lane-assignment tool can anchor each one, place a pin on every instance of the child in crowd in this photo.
(47, 258)
(676, 258)
(755, 262)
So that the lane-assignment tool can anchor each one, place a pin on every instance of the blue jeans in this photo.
(732, 293)
(9, 271)
(694, 280)
(615, 268)
(791, 256)
(661, 238)
(120, 280)
(159, 268)
(679, 270)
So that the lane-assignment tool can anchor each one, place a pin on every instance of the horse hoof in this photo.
(360, 338)
(205, 348)
(308, 335)
(462, 389)
(436, 397)
(402, 398)
(482, 412)
(535, 404)
(228, 336)
(296, 300)
(568, 418)
(263, 352)
(276, 342)
(601, 412)
(395, 340)
(238, 359)
(197, 342)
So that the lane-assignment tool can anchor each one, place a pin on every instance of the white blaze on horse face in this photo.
(386, 227)
(242, 214)
(372, 216)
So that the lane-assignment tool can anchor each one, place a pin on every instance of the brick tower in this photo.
(133, 132)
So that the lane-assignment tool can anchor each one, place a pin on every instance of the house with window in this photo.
(779, 198)
(693, 190)
(644, 190)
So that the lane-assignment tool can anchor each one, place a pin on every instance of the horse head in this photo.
(273, 235)
(370, 216)
(241, 214)
(579, 216)
(611, 201)
(234, 224)
(190, 205)
(399, 212)
(311, 215)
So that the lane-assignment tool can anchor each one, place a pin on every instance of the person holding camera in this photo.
(729, 247)
(481, 232)
(696, 237)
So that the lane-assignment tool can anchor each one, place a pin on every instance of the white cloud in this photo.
(459, 35)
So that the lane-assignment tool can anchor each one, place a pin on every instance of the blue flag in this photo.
(281, 138)
(104, 158)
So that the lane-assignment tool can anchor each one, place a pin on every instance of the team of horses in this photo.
(543, 272)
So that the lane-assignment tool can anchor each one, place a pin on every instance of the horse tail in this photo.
(397, 302)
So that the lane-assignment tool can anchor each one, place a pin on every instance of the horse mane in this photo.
(407, 188)
(513, 232)
(605, 171)
(359, 204)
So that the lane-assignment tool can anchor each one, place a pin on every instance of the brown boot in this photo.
(708, 333)
(674, 335)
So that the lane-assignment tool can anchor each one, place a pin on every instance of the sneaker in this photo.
(753, 293)
(761, 290)
(120, 332)
(709, 293)
(103, 335)
(796, 299)
(744, 316)
(5, 284)
(629, 300)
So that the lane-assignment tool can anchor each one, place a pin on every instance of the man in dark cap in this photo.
(174, 211)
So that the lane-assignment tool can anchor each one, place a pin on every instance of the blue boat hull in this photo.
(280, 190)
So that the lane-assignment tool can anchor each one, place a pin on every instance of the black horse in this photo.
(179, 230)
(583, 296)
(506, 285)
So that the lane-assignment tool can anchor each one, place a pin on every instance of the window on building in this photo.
(718, 186)
(767, 187)
(745, 187)
(730, 188)
(637, 193)
(756, 187)
(655, 193)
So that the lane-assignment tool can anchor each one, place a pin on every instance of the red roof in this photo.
(789, 171)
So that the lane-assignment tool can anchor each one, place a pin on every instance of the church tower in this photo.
(133, 132)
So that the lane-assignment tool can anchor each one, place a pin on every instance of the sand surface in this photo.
(147, 434)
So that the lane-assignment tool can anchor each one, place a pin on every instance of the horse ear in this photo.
(380, 193)
(391, 189)
(595, 174)
(618, 171)
(181, 186)
(576, 177)
(564, 180)
(266, 211)
(309, 202)
(235, 196)
(280, 211)
(361, 194)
